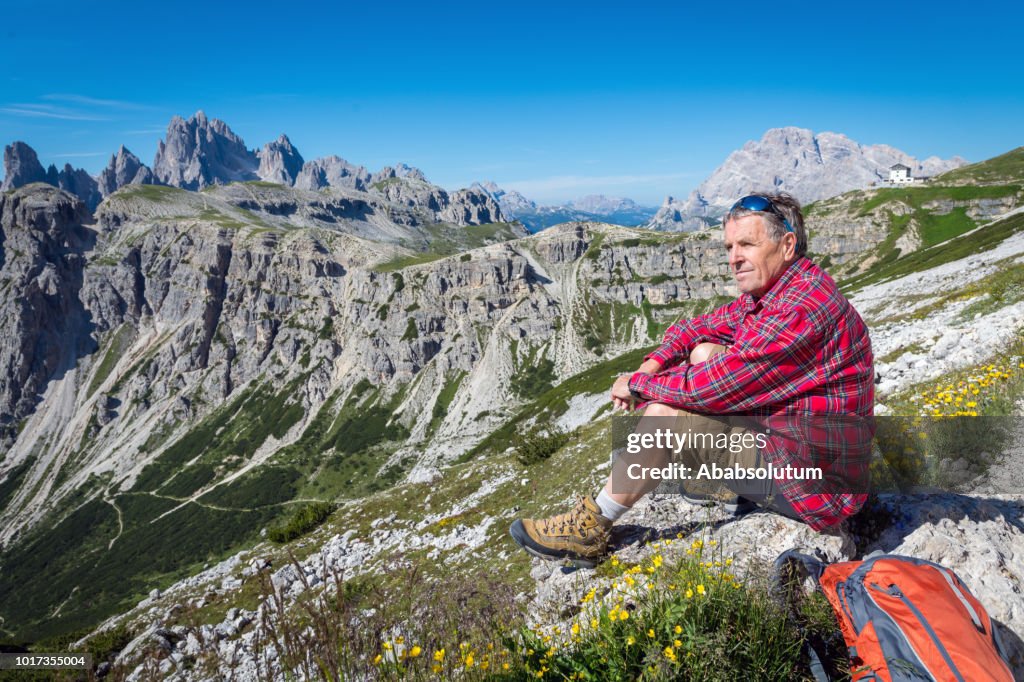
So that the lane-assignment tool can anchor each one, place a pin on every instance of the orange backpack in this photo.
(906, 619)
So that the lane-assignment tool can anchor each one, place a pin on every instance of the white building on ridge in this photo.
(900, 175)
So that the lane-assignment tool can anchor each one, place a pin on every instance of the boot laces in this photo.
(561, 523)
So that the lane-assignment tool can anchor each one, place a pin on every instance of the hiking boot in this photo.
(737, 505)
(580, 535)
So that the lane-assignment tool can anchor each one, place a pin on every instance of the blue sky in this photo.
(557, 99)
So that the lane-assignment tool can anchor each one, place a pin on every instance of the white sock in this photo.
(610, 509)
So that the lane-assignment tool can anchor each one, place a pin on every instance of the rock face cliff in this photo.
(124, 169)
(808, 165)
(21, 167)
(199, 152)
(280, 162)
(42, 268)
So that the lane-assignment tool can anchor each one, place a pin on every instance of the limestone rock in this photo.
(46, 326)
(124, 169)
(332, 171)
(200, 152)
(809, 165)
(280, 161)
(76, 181)
(21, 166)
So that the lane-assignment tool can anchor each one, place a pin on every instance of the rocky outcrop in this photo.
(400, 170)
(332, 171)
(810, 166)
(512, 203)
(76, 181)
(124, 169)
(462, 207)
(199, 152)
(469, 207)
(280, 162)
(21, 167)
(46, 327)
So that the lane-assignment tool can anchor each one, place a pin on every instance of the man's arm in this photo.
(681, 338)
(770, 363)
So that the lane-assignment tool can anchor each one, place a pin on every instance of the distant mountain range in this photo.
(200, 152)
(809, 165)
(593, 207)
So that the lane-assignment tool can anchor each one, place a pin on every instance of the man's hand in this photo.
(622, 399)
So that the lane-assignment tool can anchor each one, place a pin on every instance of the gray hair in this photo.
(788, 206)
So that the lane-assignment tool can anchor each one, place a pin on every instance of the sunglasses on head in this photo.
(755, 202)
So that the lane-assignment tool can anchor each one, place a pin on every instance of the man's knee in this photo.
(661, 410)
(703, 351)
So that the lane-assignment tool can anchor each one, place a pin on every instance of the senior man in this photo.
(790, 345)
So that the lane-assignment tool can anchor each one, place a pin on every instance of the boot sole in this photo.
(523, 539)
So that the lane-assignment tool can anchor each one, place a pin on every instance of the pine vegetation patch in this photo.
(538, 446)
(301, 522)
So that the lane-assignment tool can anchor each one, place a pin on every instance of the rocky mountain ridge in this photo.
(200, 152)
(811, 166)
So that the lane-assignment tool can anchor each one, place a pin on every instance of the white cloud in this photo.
(146, 131)
(93, 101)
(63, 155)
(39, 111)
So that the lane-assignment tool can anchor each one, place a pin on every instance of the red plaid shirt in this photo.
(801, 349)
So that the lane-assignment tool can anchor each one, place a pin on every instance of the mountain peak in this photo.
(21, 166)
(280, 161)
(809, 165)
(200, 152)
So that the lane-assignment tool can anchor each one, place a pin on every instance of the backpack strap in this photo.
(792, 558)
(789, 565)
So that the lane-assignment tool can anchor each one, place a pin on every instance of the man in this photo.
(791, 345)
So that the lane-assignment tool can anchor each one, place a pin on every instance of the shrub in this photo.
(301, 522)
(538, 446)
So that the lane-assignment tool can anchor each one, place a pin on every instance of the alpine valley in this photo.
(235, 381)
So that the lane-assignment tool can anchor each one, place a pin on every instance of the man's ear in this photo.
(790, 246)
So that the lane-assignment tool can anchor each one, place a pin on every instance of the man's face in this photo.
(755, 260)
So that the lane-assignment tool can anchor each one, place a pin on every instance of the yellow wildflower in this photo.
(439, 655)
(415, 652)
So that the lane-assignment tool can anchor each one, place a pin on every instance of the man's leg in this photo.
(616, 500)
(582, 533)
